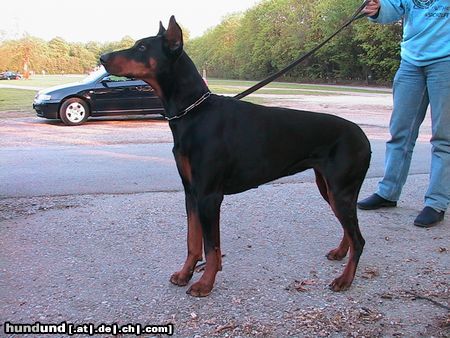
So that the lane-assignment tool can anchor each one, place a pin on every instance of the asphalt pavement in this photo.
(124, 168)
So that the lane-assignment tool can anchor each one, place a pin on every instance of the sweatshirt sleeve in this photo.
(390, 11)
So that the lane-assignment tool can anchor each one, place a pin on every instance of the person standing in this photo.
(422, 79)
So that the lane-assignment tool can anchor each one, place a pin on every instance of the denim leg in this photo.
(438, 193)
(409, 109)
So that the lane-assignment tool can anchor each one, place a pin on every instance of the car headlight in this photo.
(43, 97)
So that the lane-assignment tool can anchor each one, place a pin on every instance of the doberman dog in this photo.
(226, 146)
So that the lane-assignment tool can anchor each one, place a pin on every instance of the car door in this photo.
(116, 95)
(150, 103)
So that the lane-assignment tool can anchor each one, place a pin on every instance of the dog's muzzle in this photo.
(104, 58)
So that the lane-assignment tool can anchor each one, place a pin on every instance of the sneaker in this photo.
(374, 202)
(428, 217)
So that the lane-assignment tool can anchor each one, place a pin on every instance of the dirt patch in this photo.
(108, 258)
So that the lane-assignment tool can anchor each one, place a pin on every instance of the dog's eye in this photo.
(142, 48)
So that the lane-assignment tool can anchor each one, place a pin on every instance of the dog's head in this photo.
(149, 57)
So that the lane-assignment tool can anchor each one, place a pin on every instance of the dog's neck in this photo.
(183, 88)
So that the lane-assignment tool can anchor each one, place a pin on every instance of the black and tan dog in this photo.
(226, 146)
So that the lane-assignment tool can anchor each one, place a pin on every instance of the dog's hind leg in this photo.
(209, 214)
(322, 185)
(343, 203)
(343, 172)
(341, 251)
(194, 244)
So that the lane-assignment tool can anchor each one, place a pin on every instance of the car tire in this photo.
(74, 111)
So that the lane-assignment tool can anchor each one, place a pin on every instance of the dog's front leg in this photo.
(194, 243)
(209, 214)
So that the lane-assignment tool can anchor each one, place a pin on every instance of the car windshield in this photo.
(95, 75)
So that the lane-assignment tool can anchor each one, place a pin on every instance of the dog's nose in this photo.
(104, 58)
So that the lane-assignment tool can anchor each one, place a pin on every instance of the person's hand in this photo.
(372, 8)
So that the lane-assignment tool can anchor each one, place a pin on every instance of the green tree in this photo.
(59, 56)
(380, 49)
(249, 45)
(273, 33)
(14, 54)
(214, 51)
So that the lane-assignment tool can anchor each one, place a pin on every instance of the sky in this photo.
(110, 20)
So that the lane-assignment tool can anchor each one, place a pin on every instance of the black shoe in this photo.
(375, 202)
(428, 217)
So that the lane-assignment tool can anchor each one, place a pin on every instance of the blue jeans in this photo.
(414, 89)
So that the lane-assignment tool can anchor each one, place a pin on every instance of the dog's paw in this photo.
(181, 279)
(336, 255)
(340, 284)
(199, 289)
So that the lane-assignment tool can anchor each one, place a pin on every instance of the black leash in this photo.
(358, 15)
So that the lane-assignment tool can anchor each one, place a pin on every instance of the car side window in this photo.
(114, 78)
(118, 80)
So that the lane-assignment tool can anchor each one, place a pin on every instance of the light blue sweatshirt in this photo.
(426, 28)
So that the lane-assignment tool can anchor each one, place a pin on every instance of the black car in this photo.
(100, 94)
(8, 75)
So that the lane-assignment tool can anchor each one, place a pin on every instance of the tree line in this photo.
(56, 56)
(249, 45)
(269, 36)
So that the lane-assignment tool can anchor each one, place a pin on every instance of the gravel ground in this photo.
(108, 258)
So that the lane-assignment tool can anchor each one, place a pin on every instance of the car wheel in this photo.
(74, 112)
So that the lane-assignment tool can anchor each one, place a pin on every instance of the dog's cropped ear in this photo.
(174, 36)
(162, 30)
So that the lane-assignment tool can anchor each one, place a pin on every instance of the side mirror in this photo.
(105, 80)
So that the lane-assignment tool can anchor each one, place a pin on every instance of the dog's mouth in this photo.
(117, 65)
(111, 64)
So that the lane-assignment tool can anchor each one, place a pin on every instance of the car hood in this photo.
(74, 86)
